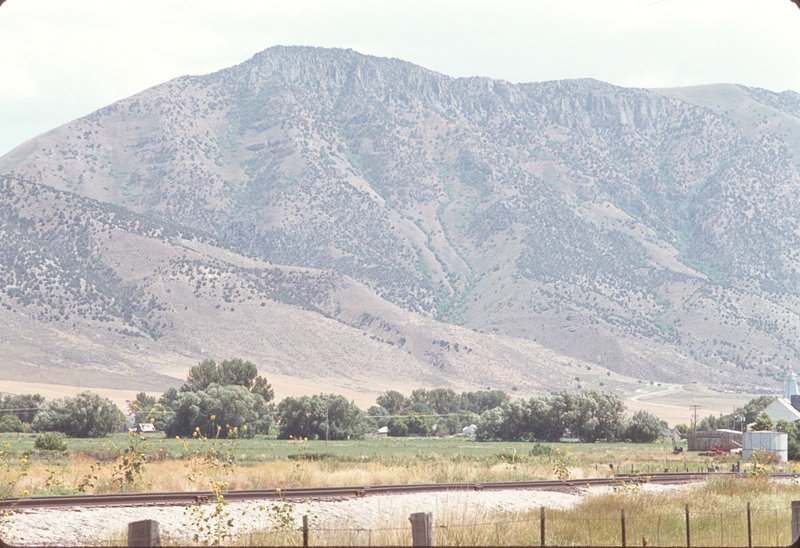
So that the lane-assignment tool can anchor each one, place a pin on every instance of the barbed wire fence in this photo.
(743, 528)
(746, 527)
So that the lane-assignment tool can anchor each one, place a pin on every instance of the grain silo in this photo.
(775, 443)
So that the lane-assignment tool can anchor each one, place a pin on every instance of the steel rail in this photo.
(183, 498)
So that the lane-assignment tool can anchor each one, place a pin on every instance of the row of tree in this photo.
(741, 416)
(588, 416)
(230, 399)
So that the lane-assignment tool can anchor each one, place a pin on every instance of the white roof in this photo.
(782, 408)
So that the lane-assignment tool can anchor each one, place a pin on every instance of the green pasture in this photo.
(625, 457)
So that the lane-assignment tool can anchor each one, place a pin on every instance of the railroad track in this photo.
(295, 494)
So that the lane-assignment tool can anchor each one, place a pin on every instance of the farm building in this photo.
(788, 407)
(714, 439)
(782, 408)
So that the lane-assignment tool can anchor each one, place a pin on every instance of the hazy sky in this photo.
(62, 59)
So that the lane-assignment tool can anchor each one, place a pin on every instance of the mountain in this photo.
(649, 233)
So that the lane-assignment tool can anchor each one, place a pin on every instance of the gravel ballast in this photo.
(96, 526)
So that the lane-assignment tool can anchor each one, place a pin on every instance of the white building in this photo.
(782, 408)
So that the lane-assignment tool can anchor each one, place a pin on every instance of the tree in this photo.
(683, 429)
(763, 423)
(87, 415)
(418, 424)
(483, 400)
(644, 427)
(10, 423)
(750, 411)
(24, 406)
(491, 425)
(379, 416)
(754, 407)
(793, 434)
(710, 423)
(202, 375)
(591, 415)
(441, 401)
(219, 411)
(545, 424)
(398, 427)
(321, 416)
(233, 371)
(394, 402)
(419, 408)
(143, 408)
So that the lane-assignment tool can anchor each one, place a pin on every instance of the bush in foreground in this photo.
(50, 441)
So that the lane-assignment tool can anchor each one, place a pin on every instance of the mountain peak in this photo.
(650, 232)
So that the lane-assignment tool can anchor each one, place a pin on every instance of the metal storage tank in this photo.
(773, 442)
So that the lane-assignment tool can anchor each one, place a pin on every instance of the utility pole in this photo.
(327, 420)
(694, 409)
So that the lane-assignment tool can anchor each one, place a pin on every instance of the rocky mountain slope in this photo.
(650, 232)
(98, 296)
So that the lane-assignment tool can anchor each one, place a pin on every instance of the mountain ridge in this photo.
(650, 232)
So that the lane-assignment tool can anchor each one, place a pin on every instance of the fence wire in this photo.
(769, 527)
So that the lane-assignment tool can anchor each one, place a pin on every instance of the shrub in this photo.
(10, 423)
(50, 441)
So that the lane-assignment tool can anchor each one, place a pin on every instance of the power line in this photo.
(21, 409)
(694, 409)
(465, 414)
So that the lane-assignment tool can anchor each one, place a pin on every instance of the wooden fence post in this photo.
(305, 530)
(688, 529)
(795, 520)
(749, 528)
(143, 533)
(541, 526)
(421, 529)
(622, 515)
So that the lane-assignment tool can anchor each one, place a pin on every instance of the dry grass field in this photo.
(129, 463)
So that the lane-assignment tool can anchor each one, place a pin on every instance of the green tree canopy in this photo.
(10, 423)
(483, 400)
(397, 427)
(313, 417)
(233, 371)
(750, 411)
(793, 433)
(379, 416)
(763, 422)
(143, 408)
(87, 415)
(589, 416)
(24, 406)
(394, 402)
(219, 411)
(644, 427)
